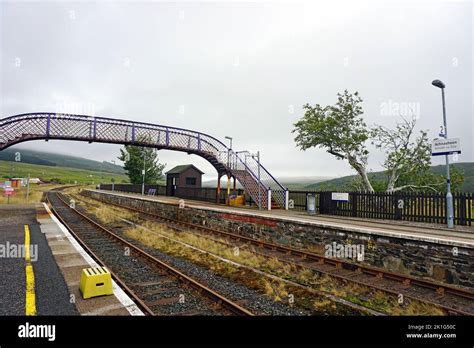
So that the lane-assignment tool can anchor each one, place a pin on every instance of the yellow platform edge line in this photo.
(30, 300)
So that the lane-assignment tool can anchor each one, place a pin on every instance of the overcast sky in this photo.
(239, 69)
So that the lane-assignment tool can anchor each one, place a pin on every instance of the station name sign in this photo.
(340, 196)
(445, 146)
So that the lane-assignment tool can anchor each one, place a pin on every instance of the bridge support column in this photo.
(269, 199)
(228, 189)
(235, 186)
(218, 195)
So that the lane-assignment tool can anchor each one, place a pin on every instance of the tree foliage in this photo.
(339, 129)
(408, 156)
(133, 158)
(342, 132)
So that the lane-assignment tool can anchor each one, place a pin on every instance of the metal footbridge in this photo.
(256, 180)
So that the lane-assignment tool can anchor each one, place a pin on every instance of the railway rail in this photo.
(451, 299)
(156, 287)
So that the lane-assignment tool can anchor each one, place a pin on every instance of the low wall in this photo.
(449, 263)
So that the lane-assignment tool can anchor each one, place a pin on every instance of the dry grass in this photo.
(276, 290)
(320, 305)
(107, 214)
(241, 254)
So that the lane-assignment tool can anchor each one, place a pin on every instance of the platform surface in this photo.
(57, 261)
(50, 290)
(460, 236)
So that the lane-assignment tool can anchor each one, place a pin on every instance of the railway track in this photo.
(156, 287)
(450, 299)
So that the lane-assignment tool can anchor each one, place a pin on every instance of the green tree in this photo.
(408, 156)
(408, 159)
(134, 157)
(355, 184)
(431, 181)
(340, 130)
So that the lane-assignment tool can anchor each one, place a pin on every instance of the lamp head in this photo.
(438, 83)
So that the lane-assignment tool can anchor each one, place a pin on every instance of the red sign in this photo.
(8, 191)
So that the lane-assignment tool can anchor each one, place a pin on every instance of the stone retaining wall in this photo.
(441, 262)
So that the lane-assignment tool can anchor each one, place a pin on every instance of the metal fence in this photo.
(131, 188)
(427, 207)
(206, 194)
(417, 206)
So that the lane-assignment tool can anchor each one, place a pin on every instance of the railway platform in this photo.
(41, 265)
(424, 251)
(460, 236)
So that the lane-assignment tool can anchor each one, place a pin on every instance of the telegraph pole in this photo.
(28, 189)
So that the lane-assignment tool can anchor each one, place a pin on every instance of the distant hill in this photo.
(293, 183)
(300, 182)
(466, 168)
(54, 159)
(343, 182)
(58, 174)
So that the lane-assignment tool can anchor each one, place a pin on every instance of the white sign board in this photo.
(445, 146)
(340, 196)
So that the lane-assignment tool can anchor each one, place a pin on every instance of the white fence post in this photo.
(269, 201)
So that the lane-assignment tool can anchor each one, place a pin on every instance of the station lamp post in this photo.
(228, 165)
(230, 139)
(112, 180)
(449, 196)
(230, 149)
